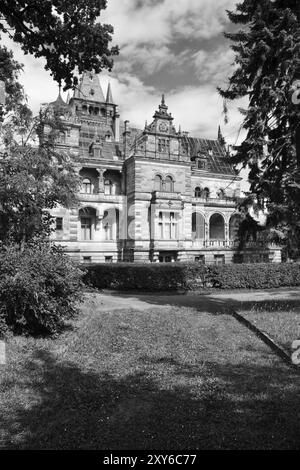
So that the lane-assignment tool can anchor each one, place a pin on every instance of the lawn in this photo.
(171, 378)
(281, 323)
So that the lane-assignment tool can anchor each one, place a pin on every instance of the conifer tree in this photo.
(267, 57)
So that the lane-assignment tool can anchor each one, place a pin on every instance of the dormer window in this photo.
(92, 92)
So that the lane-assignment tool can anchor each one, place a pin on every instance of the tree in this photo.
(66, 33)
(268, 62)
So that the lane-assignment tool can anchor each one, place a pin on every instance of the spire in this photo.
(90, 88)
(220, 137)
(59, 102)
(109, 98)
(68, 98)
(163, 110)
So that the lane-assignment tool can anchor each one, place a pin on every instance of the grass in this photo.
(281, 322)
(129, 379)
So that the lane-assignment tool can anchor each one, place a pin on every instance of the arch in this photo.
(169, 184)
(84, 108)
(102, 110)
(198, 191)
(86, 186)
(221, 193)
(198, 226)
(234, 225)
(206, 193)
(96, 111)
(158, 183)
(216, 227)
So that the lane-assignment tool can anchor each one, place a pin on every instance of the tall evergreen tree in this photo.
(267, 60)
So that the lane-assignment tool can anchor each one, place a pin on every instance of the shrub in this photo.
(191, 276)
(148, 277)
(39, 288)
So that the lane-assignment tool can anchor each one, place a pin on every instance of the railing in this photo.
(100, 197)
(166, 195)
(215, 201)
(214, 243)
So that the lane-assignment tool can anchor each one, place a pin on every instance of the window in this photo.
(201, 164)
(200, 259)
(221, 194)
(108, 259)
(59, 223)
(158, 183)
(198, 192)
(167, 226)
(86, 228)
(107, 187)
(216, 227)
(108, 138)
(108, 231)
(86, 186)
(219, 259)
(206, 193)
(168, 184)
(163, 145)
(87, 259)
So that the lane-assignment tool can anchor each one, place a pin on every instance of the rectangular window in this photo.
(108, 259)
(219, 259)
(59, 223)
(86, 228)
(87, 259)
(167, 226)
(200, 259)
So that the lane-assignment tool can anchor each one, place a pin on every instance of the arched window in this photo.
(107, 187)
(86, 186)
(61, 138)
(84, 109)
(169, 186)
(102, 111)
(198, 226)
(221, 193)
(216, 227)
(234, 224)
(198, 192)
(206, 193)
(158, 183)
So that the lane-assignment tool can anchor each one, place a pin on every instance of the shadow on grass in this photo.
(212, 303)
(234, 407)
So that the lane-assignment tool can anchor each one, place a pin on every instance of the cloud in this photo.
(160, 22)
(213, 66)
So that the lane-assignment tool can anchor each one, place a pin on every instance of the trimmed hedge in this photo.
(191, 276)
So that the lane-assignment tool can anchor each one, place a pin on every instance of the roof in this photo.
(90, 88)
(214, 152)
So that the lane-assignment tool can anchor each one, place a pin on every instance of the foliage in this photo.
(191, 276)
(147, 277)
(38, 288)
(33, 181)
(67, 34)
(267, 56)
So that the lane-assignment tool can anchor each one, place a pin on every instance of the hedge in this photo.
(191, 276)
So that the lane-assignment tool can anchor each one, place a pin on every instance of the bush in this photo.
(191, 276)
(39, 288)
(148, 277)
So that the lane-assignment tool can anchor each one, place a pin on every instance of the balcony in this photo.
(101, 197)
(210, 201)
(200, 243)
(166, 195)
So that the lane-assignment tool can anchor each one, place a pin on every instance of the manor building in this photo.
(147, 195)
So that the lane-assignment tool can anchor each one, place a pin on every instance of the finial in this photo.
(163, 99)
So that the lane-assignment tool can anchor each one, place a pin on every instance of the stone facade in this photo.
(147, 195)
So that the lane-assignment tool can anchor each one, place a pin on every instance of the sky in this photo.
(175, 47)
